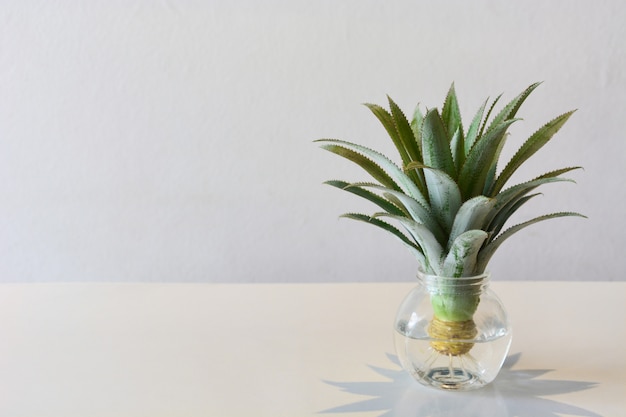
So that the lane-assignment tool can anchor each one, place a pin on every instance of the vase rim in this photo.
(436, 284)
(472, 278)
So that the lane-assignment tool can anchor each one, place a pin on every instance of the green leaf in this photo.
(430, 222)
(475, 170)
(557, 172)
(416, 125)
(491, 173)
(408, 142)
(532, 145)
(425, 239)
(510, 110)
(450, 113)
(367, 164)
(457, 149)
(412, 207)
(443, 193)
(511, 199)
(487, 252)
(471, 216)
(504, 197)
(461, 259)
(472, 131)
(374, 198)
(435, 144)
(405, 133)
(498, 222)
(382, 164)
(493, 105)
(510, 196)
(400, 132)
(444, 196)
(413, 248)
(387, 121)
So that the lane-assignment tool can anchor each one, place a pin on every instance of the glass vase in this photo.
(452, 333)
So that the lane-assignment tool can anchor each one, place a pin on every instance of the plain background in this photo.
(173, 140)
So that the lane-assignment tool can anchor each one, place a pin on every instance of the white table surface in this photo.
(293, 350)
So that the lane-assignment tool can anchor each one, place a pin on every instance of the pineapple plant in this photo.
(448, 200)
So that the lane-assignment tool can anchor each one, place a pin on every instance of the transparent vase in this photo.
(452, 333)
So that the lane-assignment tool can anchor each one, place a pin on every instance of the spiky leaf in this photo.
(510, 195)
(471, 215)
(450, 113)
(475, 170)
(424, 238)
(412, 207)
(444, 196)
(498, 222)
(374, 198)
(487, 252)
(400, 180)
(510, 110)
(436, 145)
(461, 258)
(532, 145)
(472, 131)
(408, 141)
(364, 162)
(413, 248)
(405, 133)
(416, 125)
(484, 125)
(457, 149)
(387, 121)
(511, 199)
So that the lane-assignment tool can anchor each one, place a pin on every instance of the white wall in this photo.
(172, 140)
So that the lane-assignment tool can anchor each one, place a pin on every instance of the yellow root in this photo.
(448, 336)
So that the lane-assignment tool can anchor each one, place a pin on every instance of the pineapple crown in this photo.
(448, 195)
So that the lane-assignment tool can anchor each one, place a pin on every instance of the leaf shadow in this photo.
(514, 393)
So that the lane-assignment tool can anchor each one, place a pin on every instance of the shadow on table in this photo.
(513, 393)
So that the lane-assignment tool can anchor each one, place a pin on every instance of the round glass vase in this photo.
(452, 333)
